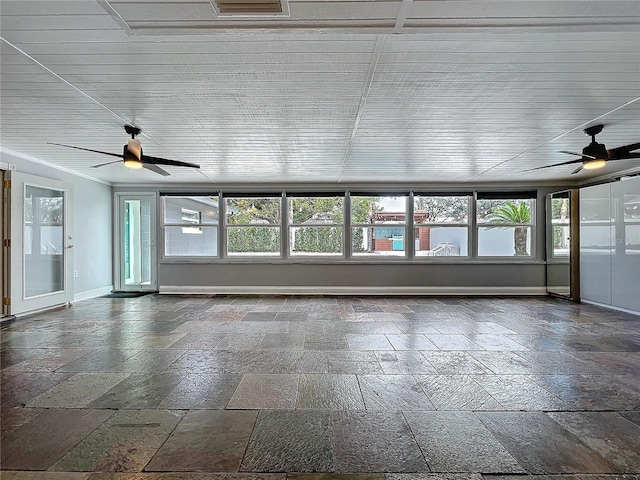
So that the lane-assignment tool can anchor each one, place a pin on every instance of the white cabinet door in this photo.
(625, 265)
(596, 244)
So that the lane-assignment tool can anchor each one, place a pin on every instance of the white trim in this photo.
(24, 156)
(611, 307)
(96, 292)
(329, 290)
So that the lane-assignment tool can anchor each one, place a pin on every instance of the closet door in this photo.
(596, 243)
(625, 228)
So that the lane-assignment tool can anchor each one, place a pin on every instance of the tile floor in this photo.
(321, 388)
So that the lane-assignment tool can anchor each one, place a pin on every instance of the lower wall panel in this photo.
(391, 279)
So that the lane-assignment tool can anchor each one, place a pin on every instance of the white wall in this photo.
(610, 244)
(92, 226)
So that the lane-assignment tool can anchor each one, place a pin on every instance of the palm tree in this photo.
(510, 212)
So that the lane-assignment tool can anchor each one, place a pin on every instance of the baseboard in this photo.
(610, 307)
(96, 292)
(326, 290)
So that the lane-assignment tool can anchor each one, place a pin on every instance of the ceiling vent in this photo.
(249, 7)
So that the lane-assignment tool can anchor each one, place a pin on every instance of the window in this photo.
(315, 225)
(253, 226)
(190, 226)
(560, 224)
(441, 225)
(378, 225)
(505, 224)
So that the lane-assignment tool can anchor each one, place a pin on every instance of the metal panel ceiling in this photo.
(335, 92)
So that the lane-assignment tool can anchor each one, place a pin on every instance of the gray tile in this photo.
(139, 390)
(329, 392)
(633, 416)
(17, 388)
(124, 443)
(453, 342)
(414, 341)
(265, 392)
(542, 446)
(404, 362)
(290, 441)
(41, 442)
(393, 392)
(468, 445)
(590, 392)
(612, 436)
(375, 442)
(206, 441)
(505, 363)
(78, 391)
(456, 392)
(496, 342)
(12, 418)
(202, 391)
(455, 363)
(519, 392)
(368, 341)
(287, 341)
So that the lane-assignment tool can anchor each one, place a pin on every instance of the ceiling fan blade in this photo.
(165, 161)
(579, 169)
(623, 152)
(156, 169)
(571, 153)
(554, 165)
(626, 157)
(88, 150)
(577, 154)
(103, 164)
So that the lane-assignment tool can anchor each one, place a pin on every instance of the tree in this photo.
(443, 209)
(513, 213)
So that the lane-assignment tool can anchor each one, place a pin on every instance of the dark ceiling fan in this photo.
(133, 157)
(595, 155)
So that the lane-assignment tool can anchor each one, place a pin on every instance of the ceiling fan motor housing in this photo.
(596, 150)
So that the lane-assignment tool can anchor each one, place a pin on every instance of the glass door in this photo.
(562, 235)
(136, 240)
(41, 239)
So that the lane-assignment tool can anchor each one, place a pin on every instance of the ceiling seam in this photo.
(402, 16)
(377, 49)
(564, 134)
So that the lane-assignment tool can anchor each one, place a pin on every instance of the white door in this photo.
(41, 236)
(136, 241)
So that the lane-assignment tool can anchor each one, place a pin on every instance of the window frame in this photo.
(468, 226)
(530, 196)
(407, 251)
(279, 255)
(290, 254)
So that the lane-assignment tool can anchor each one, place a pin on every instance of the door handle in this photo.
(70, 245)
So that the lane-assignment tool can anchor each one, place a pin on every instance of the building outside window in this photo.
(316, 225)
(505, 224)
(441, 225)
(253, 225)
(378, 225)
(190, 226)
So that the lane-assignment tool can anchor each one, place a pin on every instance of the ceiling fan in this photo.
(133, 157)
(595, 155)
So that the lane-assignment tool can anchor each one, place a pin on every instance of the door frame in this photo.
(18, 303)
(118, 241)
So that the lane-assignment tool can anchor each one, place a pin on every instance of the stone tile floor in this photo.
(321, 388)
